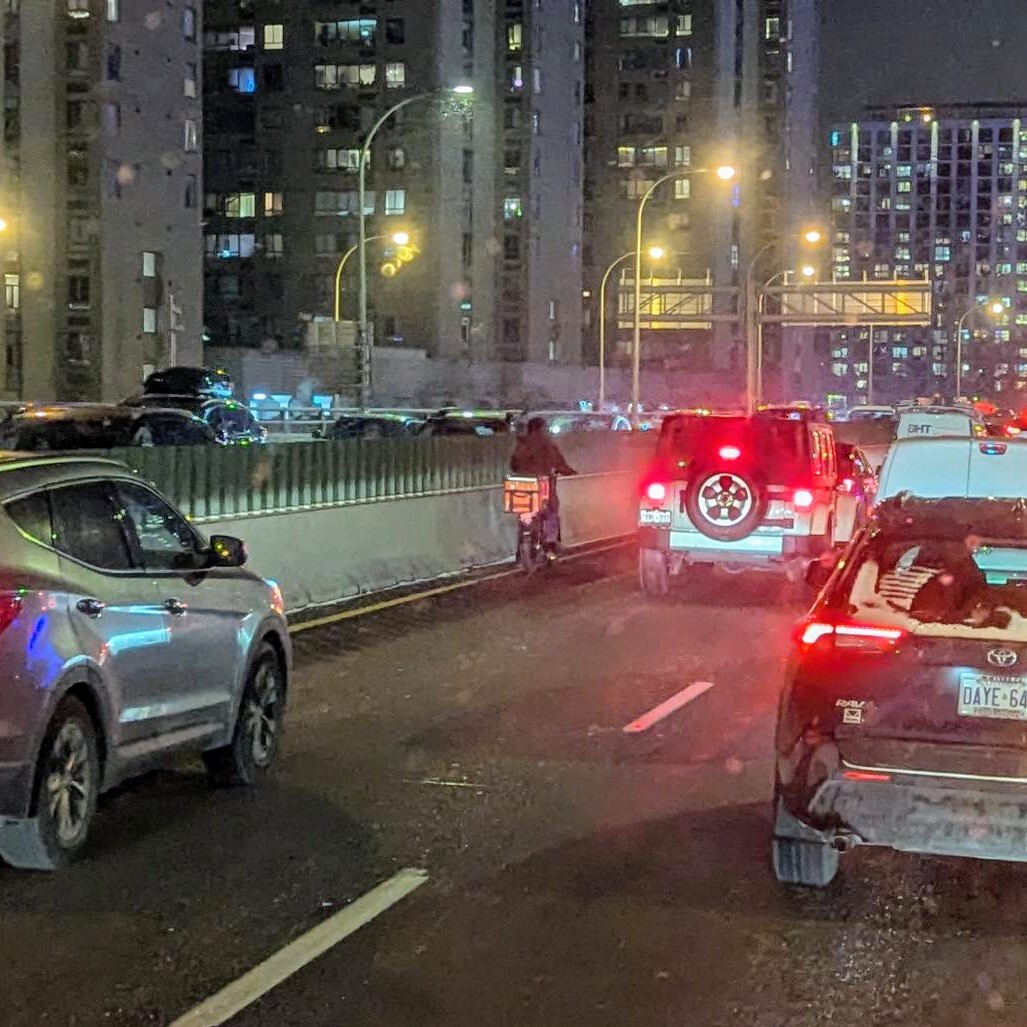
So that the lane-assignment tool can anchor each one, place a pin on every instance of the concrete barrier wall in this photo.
(330, 554)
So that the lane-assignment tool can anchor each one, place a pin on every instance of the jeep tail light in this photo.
(730, 452)
(803, 499)
(10, 607)
(656, 491)
(866, 638)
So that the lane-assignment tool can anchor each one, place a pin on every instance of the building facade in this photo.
(684, 86)
(100, 193)
(487, 186)
(940, 192)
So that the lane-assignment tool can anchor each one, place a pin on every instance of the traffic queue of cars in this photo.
(902, 721)
(903, 717)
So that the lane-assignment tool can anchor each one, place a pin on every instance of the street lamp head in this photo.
(725, 172)
(998, 307)
(812, 236)
(401, 238)
(3, 225)
(808, 271)
(464, 89)
(657, 253)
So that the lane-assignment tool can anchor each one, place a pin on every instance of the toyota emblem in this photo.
(1002, 657)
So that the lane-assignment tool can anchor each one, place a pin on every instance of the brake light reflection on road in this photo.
(656, 491)
(803, 499)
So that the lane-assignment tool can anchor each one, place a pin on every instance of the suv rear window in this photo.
(779, 447)
(970, 583)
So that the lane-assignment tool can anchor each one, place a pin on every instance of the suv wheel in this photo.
(258, 727)
(653, 573)
(726, 505)
(64, 802)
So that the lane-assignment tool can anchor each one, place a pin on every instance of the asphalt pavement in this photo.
(576, 873)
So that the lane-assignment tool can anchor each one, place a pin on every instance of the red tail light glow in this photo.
(851, 636)
(10, 607)
(1012, 429)
(865, 775)
(656, 491)
(730, 453)
(803, 499)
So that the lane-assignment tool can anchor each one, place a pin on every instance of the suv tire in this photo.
(737, 494)
(64, 798)
(653, 573)
(258, 725)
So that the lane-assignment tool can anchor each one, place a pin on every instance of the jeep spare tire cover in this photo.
(726, 504)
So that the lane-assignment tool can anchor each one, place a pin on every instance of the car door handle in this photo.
(91, 607)
(175, 606)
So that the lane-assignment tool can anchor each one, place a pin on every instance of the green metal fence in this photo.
(218, 482)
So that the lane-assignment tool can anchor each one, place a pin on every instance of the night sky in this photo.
(921, 51)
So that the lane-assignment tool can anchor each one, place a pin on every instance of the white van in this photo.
(938, 468)
(935, 422)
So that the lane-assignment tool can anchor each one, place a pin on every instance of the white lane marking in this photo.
(241, 993)
(665, 709)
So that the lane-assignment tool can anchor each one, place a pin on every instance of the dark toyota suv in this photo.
(756, 492)
(903, 721)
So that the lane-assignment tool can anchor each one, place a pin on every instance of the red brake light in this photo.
(657, 492)
(866, 637)
(10, 607)
(730, 452)
(847, 484)
(803, 499)
(1011, 429)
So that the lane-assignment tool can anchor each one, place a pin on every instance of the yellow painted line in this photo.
(257, 982)
(388, 604)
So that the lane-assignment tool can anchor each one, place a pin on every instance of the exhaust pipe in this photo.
(844, 842)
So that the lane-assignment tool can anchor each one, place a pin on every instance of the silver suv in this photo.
(126, 637)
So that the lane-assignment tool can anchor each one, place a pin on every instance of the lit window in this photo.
(395, 74)
(189, 82)
(772, 28)
(625, 156)
(12, 291)
(189, 23)
(684, 25)
(653, 157)
(149, 320)
(513, 36)
(273, 205)
(536, 80)
(190, 137)
(113, 10)
(149, 264)
(240, 205)
(243, 80)
(78, 8)
(517, 78)
(682, 188)
(274, 37)
(682, 156)
(396, 158)
(683, 90)
(395, 201)
(512, 209)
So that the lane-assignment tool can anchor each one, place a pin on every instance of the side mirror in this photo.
(226, 551)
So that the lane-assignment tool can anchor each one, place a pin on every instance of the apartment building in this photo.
(684, 86)
(100, 175)
(940, 192)
(488, 186)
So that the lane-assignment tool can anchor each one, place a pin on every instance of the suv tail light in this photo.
(803, 499)
(10, 607)
(656, 491)
(866, 638)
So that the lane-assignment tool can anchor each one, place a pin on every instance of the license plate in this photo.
(984, 695)
(654, 517)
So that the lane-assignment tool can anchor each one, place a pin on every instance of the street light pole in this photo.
(725, 173)
(338, 273)
(752, 318)
(602, 326)
(365, 153)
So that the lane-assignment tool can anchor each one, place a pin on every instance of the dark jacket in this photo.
(536, 454)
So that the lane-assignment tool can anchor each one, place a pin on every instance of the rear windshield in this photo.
(778, 447)
(941, 586)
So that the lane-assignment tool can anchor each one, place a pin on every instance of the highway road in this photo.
(572, 872)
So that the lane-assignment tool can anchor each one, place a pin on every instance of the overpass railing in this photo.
(211, 482)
